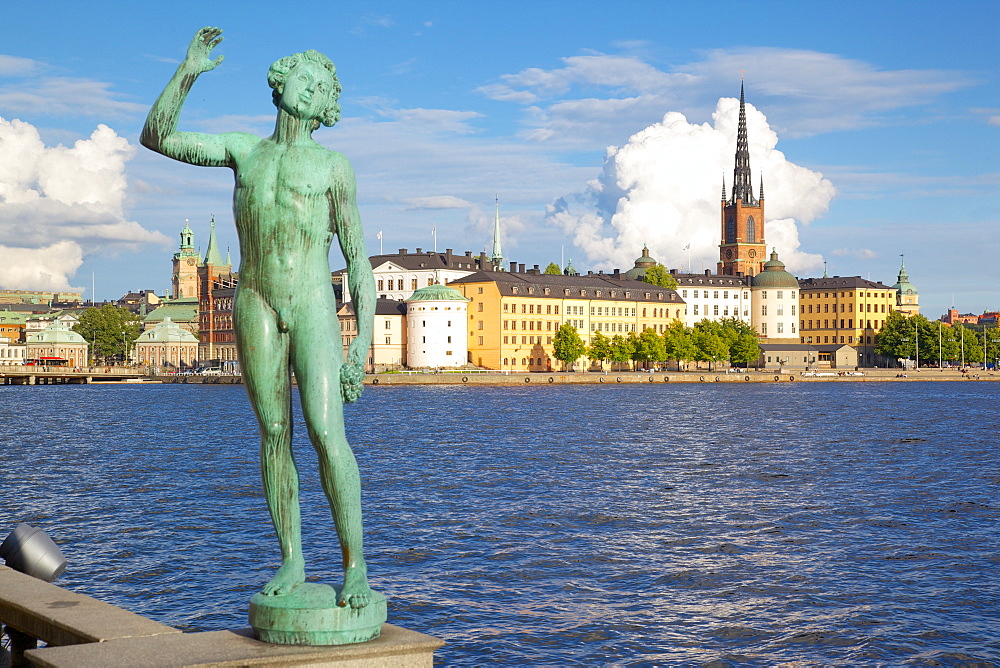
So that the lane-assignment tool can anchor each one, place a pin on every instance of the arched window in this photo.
(730, 230)
(751, 231)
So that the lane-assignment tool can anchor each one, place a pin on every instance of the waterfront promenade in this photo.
(468, 377)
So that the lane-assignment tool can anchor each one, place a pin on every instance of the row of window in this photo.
(832, 324)
(525, 361)
(612, 294)
(387, 283)
(862, 308)
(715, 310)
(833, 339)
(715, 294)
(530, 324)
(779, 309)
(550, 309)
(779, 328)
(525, 340)
(861, 295)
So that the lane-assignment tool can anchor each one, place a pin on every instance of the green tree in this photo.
(661, 277)
(679, 343)
(621, 349)
(110, 330)
(567, 346)
(744, 348)
(711, 345)
(553, 269)
(650, 347)
(600, 347)
(970, 344)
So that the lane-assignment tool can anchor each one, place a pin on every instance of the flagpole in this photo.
(434, 231)
(379, 235)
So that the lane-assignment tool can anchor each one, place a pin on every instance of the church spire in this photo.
(212, 256)
(723, 186)
(497, 257)
(742, 187)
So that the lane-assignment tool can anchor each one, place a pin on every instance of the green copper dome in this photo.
(903, 285)
(642, 263)
(437, 293)
(774, 275)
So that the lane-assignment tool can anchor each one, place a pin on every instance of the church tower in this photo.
(743, 248)
(184, 281)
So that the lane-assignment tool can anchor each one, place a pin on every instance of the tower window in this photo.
(751, 231)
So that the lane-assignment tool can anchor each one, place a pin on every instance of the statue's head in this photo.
(277, 77)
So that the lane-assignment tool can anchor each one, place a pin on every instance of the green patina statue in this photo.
(292, 197)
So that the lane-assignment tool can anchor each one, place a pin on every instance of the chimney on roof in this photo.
(513, 267)
(739, 273)
(617, 273)
(447, 251)
(708, 272)
(419, 250)
(402, 251)
(673, 272)
(468, 253)
(520, 268)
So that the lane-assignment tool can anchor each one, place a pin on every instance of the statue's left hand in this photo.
(352, 378)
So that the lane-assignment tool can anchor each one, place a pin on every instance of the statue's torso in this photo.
(282, 207)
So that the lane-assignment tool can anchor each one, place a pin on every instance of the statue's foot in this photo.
(291, 574)
(356, 592)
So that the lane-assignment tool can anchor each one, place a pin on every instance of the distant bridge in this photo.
(53, 375)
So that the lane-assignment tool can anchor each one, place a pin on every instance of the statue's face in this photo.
(307, 90)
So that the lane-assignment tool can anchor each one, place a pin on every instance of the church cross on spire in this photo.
(742, 187)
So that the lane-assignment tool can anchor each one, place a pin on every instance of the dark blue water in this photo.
(671, 524)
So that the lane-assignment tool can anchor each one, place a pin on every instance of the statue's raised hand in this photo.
(199, 53)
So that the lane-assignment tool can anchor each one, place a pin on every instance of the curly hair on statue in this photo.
(278, 73)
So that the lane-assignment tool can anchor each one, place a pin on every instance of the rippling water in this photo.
(727, 524)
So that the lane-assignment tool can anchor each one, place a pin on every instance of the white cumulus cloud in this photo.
(663, 189)
(59, 203)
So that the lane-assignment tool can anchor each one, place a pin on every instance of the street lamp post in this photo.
(916, 344)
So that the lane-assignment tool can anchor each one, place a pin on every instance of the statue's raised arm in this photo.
(160, 131)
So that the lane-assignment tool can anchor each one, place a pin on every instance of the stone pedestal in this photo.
(309, 615)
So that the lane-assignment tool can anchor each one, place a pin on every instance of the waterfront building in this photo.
(786, 356)
(743, 248)
(217, 337)
(845, 309)
(39, 322)
(907, 298)
(167, 344)
(436, 328)
(397, 275)
(710, 296)
(57, 341)
(213, 272)
(513, 315)
(388, 348)
(11, 353)
(775, 303)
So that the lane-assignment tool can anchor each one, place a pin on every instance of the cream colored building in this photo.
(388, 348)
(57, 342)
(714, 297)
(167, 344)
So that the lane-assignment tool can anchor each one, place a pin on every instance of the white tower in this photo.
(436, 328)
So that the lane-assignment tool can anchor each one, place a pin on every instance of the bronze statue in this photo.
(292, 197)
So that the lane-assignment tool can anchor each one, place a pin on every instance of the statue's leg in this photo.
(263, 353)
(316, 355)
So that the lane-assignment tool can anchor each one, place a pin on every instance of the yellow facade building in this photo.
(514, 315)
(844, 310)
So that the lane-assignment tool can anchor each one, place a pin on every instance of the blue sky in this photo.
(875, 124)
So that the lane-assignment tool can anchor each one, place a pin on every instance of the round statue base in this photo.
(309, 615)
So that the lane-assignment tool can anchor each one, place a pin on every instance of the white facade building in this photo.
(437, 328)
(714, 297)
(399, 274)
